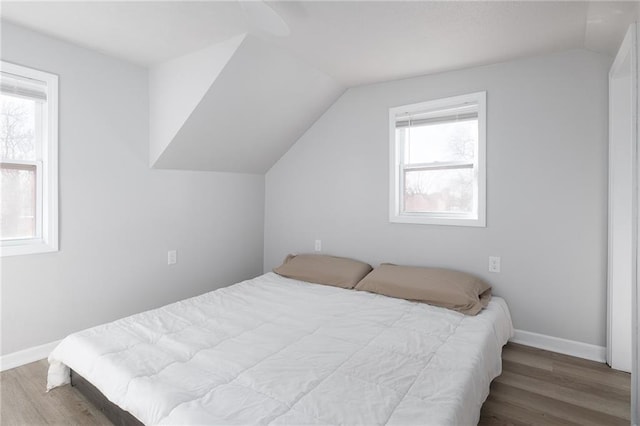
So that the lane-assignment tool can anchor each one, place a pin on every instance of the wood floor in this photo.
(545, 388)
(23, 400)
(536, 388)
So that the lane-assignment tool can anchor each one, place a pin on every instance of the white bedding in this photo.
(278, 351)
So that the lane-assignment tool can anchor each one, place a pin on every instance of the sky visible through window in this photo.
(450, 141)
(17, 128)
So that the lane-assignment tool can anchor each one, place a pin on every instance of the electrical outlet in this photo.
(318, 245)
(494, 263)
(172, 257)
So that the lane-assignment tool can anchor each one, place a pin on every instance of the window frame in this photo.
(46, 239)
(397, 169)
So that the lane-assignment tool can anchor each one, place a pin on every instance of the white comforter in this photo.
(278, 351)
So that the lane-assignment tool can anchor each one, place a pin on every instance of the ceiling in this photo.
(252, 102)
(355, 43)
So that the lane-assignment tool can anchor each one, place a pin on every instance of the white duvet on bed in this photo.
(278, 351)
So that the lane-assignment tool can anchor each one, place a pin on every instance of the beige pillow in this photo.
(441, 287)
(323, 269)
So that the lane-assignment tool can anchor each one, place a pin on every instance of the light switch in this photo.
(172, 257)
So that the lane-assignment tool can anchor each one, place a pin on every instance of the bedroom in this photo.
(130, 192)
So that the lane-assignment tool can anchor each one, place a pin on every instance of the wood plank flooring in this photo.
(545, 388)
(536, 388)
(24, 401)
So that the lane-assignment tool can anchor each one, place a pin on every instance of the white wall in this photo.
(546, 185)
(178, 85)
(118, 217)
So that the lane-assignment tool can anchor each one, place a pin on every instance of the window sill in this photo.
(438, 220)
(31, 247)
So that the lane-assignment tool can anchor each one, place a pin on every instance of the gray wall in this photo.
(118, 217)
(546, 186)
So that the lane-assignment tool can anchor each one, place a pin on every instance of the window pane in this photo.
(438, 191)
(18, 211)
(17, 128)
(449, 141)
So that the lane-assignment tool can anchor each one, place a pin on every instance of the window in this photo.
(437, 161)
(28, 160)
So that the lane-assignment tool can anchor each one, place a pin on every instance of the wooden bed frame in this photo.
(117, 415)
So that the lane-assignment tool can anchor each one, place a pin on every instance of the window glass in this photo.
(18, 211)
(438, 191)
(17, 128)
(449, 141)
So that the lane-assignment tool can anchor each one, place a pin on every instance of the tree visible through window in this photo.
(437, 169)
(28, 160)
(19, 166)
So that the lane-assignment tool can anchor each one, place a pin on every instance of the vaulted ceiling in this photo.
(236, 106)
(225, 95)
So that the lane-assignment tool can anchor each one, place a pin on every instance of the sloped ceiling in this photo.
(237, 106)
(222, 100)
(176, 87)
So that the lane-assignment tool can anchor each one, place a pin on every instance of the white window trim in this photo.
(395, 155)
(48, 240)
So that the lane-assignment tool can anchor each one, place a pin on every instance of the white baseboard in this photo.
(563, 346)
(25, 356)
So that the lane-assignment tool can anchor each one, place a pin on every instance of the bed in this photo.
(279, 351)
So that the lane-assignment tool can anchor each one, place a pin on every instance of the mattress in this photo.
(277, 351)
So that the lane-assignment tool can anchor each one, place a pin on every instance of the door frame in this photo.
(628, 48)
